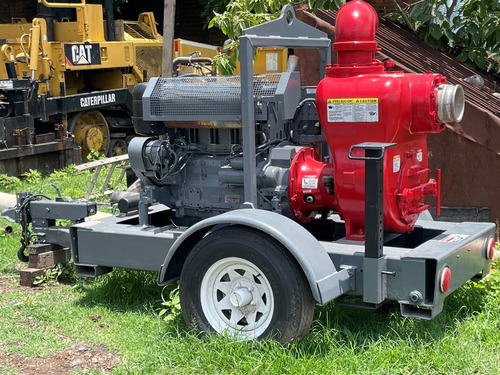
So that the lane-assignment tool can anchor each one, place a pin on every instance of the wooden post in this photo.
(168, 37)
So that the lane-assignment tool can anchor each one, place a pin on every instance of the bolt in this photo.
(415, 296)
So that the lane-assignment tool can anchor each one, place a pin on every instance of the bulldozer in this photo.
(66, 83)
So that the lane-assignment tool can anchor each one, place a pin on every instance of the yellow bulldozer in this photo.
(66, 84)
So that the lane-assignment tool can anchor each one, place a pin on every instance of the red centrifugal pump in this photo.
(360, 100)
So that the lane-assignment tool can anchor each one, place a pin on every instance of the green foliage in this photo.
(491, 284)
(172, 305)
(63, 223)
(211, 7)
(241, 14)
(58, 273)
(72, 183)
(94, 155)
(33, 176)
(119, 311)
(470, 27)
(8, 183)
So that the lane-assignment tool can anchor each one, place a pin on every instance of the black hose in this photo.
(21, 255)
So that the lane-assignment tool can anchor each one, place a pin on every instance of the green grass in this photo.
(464, 339)
(71, 183)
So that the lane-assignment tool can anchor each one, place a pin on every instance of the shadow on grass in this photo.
(123, 290)
(136, 292)
(358, 328)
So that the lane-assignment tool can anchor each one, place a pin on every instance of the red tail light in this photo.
(490, 248)
(445, 280)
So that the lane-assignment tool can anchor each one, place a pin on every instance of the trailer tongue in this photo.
(265, 198)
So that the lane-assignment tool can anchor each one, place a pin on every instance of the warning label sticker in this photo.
(310, 183)
(271, 62)
(454, 238)
(352, 110)
(396, 163)
(420, 156)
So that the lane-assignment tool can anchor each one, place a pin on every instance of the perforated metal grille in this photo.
(148, 58)
(265, 85)
(210, 97)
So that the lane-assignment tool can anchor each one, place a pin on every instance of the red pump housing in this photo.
(360, 100)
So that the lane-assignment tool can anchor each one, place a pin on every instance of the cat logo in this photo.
(82, 54)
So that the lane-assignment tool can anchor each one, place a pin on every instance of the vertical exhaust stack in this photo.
(110, 20)
(360, 100)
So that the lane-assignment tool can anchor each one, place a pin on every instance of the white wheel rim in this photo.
(236, 298)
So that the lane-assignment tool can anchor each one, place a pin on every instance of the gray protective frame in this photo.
(286, 31)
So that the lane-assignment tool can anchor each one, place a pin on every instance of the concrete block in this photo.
(49, 258)
(39, 248)
(28, 276)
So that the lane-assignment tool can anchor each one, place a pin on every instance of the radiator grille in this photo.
(210, 97)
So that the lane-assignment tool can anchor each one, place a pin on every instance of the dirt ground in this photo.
(78, 357)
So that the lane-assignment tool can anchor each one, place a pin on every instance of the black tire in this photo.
(235, 265)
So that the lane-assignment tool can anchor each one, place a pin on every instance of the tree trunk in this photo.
(168, 37)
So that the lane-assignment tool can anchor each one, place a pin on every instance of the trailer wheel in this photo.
(91, 132)
(241, 282)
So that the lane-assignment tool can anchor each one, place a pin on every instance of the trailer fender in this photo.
(326, 282)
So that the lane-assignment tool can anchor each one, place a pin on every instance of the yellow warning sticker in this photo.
(353, 101)
(352, 110)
